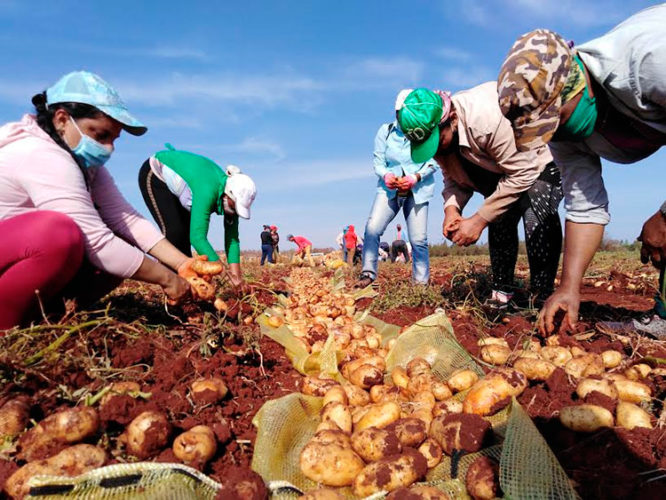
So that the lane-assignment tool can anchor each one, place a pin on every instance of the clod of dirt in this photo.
(242, 483)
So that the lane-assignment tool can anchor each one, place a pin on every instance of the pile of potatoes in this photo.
(601, 372)
(55, 446)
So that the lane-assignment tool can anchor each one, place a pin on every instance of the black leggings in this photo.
(543, 234)
(165, 207)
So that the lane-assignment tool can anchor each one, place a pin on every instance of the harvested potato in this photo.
(492, 393)
(411, 432)
(522, 353)
(535, 369)
(418, 492)
(339, 414)
(365, 376)
(201, 288)
(274, 321)
(390, 473)
(209, 390)
(486, 341)
(379, 415)
(356, 395)
(71, 462)
(373, 444)
(586, 417)
(420, 383)
(461, 380)
(446, 407)
(638, 371)
(394, 393)
(196, 446)
(432, 452)
(424, 415)
(336, 394)
(358, 412)
(495, 354)
(322, 494)
(460, 431)
(441, 390)
(120, 389)
(399, 377)
(631, 391)
(585, 366)
(629, 416)
(611, 358)
(376, 361)
(588, 385)
(65, 427)
(559, 356)
(146, 434)
(316, 386)
(377, 392)
(332, 437)
(418, 366)
(14, 417)
(577, 351)
(330, 464)
(482, 479)
(205, 267)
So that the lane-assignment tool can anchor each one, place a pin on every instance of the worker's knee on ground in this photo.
(63, 239)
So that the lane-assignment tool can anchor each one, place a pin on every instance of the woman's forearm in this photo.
(581, 242)
(168, 254)
(154, 272)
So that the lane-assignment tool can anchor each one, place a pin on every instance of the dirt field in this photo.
(133, 337)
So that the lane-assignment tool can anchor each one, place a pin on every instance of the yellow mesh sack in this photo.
(140, 481)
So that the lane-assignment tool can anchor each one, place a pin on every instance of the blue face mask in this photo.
(89, 151)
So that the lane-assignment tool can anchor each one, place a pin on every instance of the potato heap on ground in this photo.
(607, 374)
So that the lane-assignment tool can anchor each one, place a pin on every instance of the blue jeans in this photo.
(416, 216)
(344, 252)
(266, 252)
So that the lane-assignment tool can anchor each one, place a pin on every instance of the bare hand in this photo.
(469, 231)
(653, 237)
(177, 289)
(561, 300)
(451, 224)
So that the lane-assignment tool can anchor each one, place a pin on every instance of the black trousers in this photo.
(165, 207)
(399, 247)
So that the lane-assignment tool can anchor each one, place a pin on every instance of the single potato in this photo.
(462, 379)
(495, 354)
(196, 446)
(588, 385)
(418, 492)
(146, 434)
(373, 444)
(631, 391)
(330, 464)
(585, 418)
(432, 452)
(482, 479)
(379, 415)
(365, 376)
(411, 432)
(390, 473)
(339, 414)
(534, 369)
(611, 359)
(630, 416)
(14, 417)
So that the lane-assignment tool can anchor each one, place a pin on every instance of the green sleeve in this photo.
(231, 241)
(199, 223)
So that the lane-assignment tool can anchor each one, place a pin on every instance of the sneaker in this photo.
(364, 281)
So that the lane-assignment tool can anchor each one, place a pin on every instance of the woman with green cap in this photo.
(474, 144)
(604, 99)
(182, 191)
(67, 231)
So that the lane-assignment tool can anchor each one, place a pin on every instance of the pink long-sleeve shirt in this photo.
(37, 174)
(301, 242)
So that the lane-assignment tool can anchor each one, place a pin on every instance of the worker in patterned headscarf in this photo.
(603, 99)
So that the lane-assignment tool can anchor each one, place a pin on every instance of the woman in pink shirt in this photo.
(67, 231)
(304, 248)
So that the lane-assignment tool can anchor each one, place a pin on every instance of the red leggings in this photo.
(38, 251)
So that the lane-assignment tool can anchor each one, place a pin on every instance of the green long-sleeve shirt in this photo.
(206, 180)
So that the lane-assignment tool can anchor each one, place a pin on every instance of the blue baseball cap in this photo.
(87, 88)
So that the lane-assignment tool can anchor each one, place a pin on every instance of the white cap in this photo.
(400, 99)
(241, 189)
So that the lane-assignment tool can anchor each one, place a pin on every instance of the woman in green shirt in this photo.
(183, 189)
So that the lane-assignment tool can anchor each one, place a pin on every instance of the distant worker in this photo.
(604, 99)
(182, 190)
(340, 240)
(350, 242)
(384, 251)
(275, 238)
(399, 249)
(402, 184)
(475, 146)
(304, 249)
(266, 245)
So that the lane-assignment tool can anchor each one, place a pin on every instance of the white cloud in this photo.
(453, 54)
(457, 78)
(258, 146)
(315, 173)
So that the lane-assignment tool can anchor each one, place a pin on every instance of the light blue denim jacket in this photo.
(393, 155)
(629, 62)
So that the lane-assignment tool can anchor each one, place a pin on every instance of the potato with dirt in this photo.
(492, 393)
(322, 494)
(14, 417)
(373, 444)
(335, 394)
(418, 366)
(338, 414)
(71, 461)
(355, 395)
(209, 390)
(51, 434)
(196, 446)
(495, 354)
(585, 417)
(461, 380)
(603, 386)
(446, 407)
(632, 391)
(411, 432)
(390, 473)
(630, 416)
(534, 369)
(366, 376)
(201, 288)
(317, 386)
(147, 434)
(379, 415)
(461, 432)
(418, 492)
(432, 452)
(585, 366)
(330, 464)
(120, 389)
(399, 377)
(203, 267)
(482, 479)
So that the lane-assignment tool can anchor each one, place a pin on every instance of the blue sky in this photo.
(292, 91)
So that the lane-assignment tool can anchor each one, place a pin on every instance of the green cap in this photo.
(419, 117)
